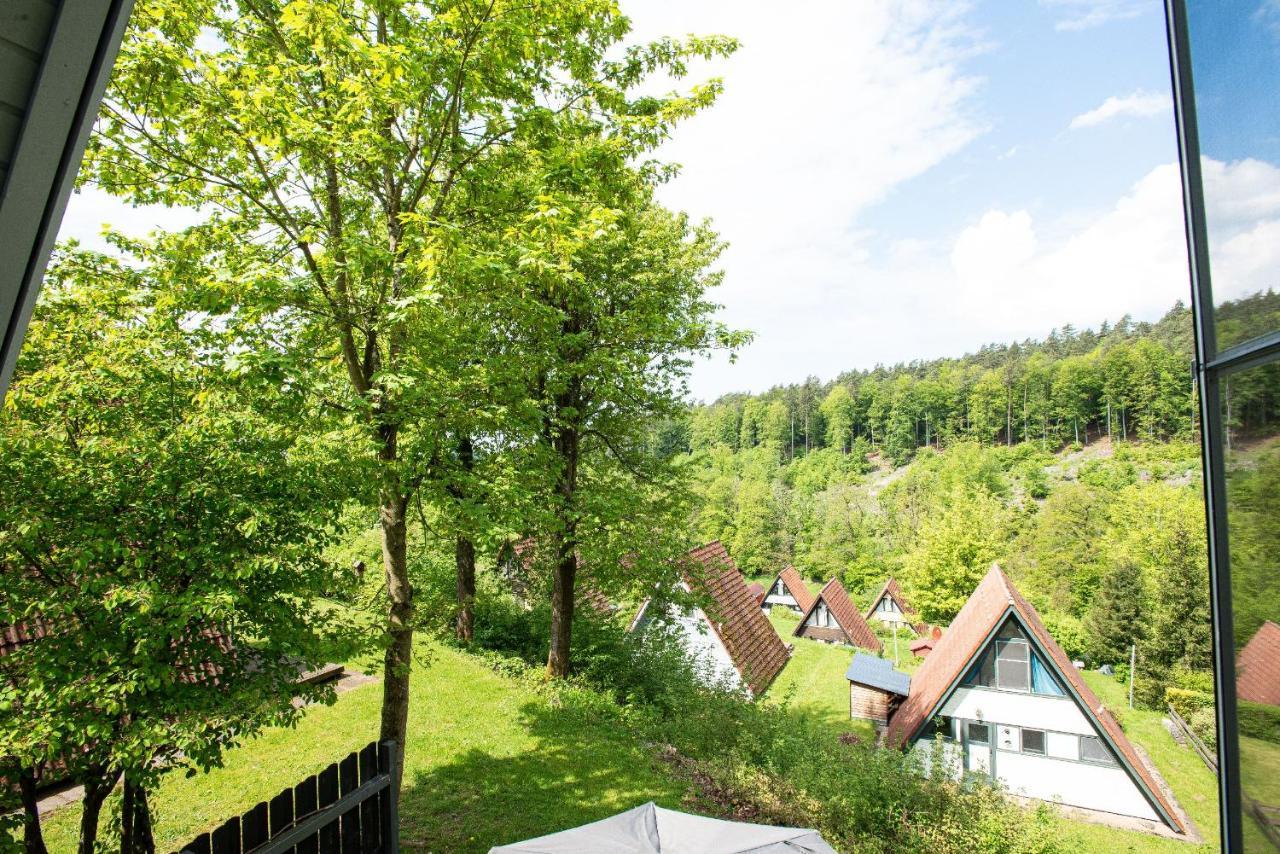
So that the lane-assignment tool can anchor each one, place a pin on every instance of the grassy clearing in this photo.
(488, 762)
(491, 761)
(1260, 780)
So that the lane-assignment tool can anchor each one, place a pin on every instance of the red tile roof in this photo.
(1258, 667)
(796, 586)
(966, 637)
(895, 593)
(585, 591)
(757, 591)
(851, 622)
(753, 644)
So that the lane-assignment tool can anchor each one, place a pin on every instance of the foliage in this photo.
(1259, 720)
(164, 522)
(1114, 619)
(954, 548)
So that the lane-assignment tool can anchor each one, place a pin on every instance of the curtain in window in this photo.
(1042, 679)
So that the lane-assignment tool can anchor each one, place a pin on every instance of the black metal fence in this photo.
(348, 808)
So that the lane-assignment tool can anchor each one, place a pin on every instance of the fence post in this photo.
(389, 758)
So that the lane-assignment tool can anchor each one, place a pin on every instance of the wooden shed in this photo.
(875, 689)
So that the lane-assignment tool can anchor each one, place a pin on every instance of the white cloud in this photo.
(1139, 104)
(1085, 14)
(827, 109)
(90, 209)
(989, 252)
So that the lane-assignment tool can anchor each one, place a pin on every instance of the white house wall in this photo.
(1059, 776)
(784, 599)
(704, 646)
(1009, 707)
(1079, 784)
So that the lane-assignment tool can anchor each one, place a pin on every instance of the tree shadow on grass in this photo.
(576, 770)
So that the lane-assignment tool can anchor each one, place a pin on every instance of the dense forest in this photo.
(1072, 460)
(1127, 381)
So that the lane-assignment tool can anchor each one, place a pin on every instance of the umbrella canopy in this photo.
(650, 829)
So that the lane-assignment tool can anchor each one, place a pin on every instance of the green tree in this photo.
(345, 147)
(163, 522)
(955, 548)
(1116, 617)
(837, 410)
(614, 306)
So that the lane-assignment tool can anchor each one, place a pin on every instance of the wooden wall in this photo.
(870, 704)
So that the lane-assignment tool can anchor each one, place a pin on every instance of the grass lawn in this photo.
(813, 681)
(487, 762)
(1260, 780)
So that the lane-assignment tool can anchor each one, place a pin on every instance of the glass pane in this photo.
(1235, 57)
(978, 733)
(1251, 410)
(1033, 741)
(1093, 750)
(1013, 666)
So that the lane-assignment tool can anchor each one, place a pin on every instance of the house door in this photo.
(977, 748)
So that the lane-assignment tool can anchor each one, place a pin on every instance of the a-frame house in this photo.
(890, 607)
(1006, 701)
(789, 590)
(732, 640)
(835, 619)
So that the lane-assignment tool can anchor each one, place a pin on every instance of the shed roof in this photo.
(892, 589)
(877, 673)
(796, 586)
(994, 599)
(1258, 667)
(847, 615)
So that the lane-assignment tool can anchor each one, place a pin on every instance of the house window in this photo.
(1093, 750)
(979, 733)
(1013, 665)
(779, 589)
(824, 618)
(1033, 741)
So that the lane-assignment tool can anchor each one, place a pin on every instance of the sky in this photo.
(907, 179)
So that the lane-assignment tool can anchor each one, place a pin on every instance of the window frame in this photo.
(1210, 367)
(1109, 762)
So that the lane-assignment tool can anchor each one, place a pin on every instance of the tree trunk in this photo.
(399, 654)
(465, 555)
(136, 835)
(465, 559)
(32, 838)
(562, 610)
(566, 446)
(96, 788)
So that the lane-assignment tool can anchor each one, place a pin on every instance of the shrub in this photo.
(1259, 720)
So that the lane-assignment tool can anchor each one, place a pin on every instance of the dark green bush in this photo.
(1259, 720)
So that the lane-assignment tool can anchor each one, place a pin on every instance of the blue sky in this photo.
(945, 175)
(904, 179)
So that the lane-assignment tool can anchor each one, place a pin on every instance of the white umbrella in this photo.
(650, 829)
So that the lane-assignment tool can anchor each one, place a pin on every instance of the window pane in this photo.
(1093, 750)
(1013, 665)
(978, 733)
(1250, 407)
(1033, 741)
(1236, 69)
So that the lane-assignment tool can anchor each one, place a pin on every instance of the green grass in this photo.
(1260, 780)
(487, 762)
(813, 682)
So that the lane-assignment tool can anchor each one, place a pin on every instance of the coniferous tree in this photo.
(1116, 615)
